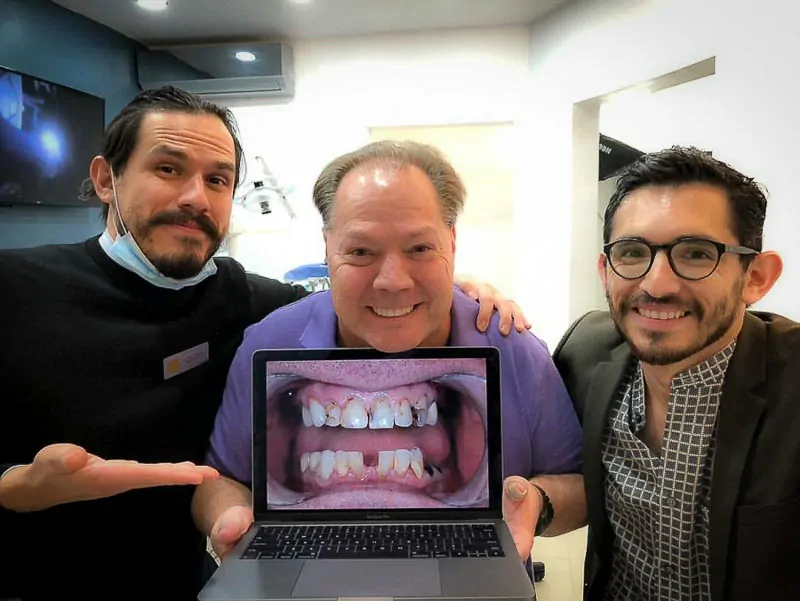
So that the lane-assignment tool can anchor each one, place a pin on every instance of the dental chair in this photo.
(313, 277)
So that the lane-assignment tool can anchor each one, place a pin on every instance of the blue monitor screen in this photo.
(48, 136)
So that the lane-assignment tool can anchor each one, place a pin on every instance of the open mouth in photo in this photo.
(374, 434)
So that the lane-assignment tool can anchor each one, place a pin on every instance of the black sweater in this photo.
(82, 349)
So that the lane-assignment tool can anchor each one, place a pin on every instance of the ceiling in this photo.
(186, 21)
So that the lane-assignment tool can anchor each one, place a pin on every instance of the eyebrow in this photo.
(180, 155)
(676, 239)
(357, 233)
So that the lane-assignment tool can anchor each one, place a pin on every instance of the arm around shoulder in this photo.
(267, 295)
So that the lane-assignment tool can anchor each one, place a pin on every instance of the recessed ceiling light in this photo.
(153, 4)
(245, 56)
(300, 1)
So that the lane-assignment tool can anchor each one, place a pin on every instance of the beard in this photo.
(189, 260)
(712, 325)
(182, 266)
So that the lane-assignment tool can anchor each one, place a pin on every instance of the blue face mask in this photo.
(126, 252)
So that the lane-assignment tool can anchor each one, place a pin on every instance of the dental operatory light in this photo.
(261, 193)
(153, 4)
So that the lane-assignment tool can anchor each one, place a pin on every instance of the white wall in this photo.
(658, 120)
(745, 113)
(346, 86)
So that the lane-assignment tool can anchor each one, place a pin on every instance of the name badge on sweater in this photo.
(182, 362)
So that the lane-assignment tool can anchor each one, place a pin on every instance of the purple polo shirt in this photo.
(540, 428)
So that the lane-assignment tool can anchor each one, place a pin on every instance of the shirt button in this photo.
(671, 502)
(668, 570)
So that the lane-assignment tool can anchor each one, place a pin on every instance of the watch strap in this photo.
(547, 512)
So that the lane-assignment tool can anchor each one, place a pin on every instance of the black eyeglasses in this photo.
(690, 258)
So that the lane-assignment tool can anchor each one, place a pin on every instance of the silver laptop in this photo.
(375, 476)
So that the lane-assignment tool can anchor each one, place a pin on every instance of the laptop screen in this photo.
(376, 434)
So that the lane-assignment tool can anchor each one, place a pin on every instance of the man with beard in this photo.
(688, 399)
(113, 355)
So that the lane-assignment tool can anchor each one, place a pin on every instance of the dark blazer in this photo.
(755, 490)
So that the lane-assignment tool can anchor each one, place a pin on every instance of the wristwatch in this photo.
(546, 514)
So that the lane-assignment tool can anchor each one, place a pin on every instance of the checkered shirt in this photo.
(658, 505)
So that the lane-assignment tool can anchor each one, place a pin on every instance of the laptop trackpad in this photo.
(369, 578)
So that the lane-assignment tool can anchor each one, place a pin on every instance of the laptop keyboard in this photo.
(375, 542)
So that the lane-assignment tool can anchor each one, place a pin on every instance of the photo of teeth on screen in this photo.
(377, 434)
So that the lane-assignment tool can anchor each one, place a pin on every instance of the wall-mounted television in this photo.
(49, 134)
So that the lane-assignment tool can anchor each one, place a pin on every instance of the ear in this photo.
(453, 239)
(761, 276)
(601, 269)
(327, 248)
(100, 172)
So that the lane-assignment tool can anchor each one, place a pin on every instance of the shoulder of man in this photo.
(265, 294)
(777, 324)
(43, 255)
(546, 425)
(590, 338)
(781, 338)
(524, 344)
(284, 326)
(26, 272)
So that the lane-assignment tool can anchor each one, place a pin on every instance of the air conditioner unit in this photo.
(221, 71)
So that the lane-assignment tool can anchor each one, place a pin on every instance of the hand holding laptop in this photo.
(229, 528)
(409, 508)
(521, 512)
(65, 473)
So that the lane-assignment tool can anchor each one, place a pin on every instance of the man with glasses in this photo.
(688, 400)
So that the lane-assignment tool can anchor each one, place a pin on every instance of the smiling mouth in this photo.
(415, 445)
(662, 315)
(400, 312)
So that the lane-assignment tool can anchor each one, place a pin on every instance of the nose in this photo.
(393, 275)
(661, 280)
(194, 195)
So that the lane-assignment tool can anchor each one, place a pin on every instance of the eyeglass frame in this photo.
(721, 247)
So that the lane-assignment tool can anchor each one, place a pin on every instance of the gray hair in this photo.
(448, 184)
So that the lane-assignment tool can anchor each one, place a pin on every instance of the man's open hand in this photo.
(65, 473)
(509, 313)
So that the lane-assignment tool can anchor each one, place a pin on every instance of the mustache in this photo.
(184, 217)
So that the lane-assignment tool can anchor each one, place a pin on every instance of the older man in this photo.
(389, 212)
